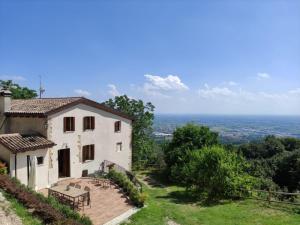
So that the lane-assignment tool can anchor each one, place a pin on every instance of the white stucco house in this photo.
(63, 137)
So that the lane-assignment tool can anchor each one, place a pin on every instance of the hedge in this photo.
(135, 195)
(47, 209)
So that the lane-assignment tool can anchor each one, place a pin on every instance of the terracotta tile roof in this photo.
(18, 143)
(47, 106)
(38, 105)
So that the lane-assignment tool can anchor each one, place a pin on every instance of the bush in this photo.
(215, 173)
(135, 195)
(47, 209)
(3, 168)
(185, 140)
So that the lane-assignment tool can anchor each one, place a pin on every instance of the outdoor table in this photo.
(70, 192)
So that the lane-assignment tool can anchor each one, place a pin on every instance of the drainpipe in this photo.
(16, 165)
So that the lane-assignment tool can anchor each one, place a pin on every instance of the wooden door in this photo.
(64, 163)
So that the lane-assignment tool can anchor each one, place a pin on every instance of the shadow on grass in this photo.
(189, 197)
(155, 178)
(281, 207)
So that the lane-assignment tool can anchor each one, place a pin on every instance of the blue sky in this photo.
(216, 57)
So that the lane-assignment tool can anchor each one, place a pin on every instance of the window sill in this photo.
(117, 131)
(87, 161)
(88, 130)
(68, 132)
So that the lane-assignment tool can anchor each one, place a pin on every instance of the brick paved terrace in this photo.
(106, 203)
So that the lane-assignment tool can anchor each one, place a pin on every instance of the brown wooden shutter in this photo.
(83, 153)
(84, 123)
(65, 124)
(93, 122)
(92, 152)
(73, 123)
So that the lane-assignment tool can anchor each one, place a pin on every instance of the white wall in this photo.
(41, 170)
(103, 137)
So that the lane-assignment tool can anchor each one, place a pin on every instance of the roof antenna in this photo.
(42, 90)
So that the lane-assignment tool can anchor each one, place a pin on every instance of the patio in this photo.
(106, 202)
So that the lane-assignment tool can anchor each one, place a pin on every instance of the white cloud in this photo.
(12, 77)
(150, 90)
(263, 76)
(234, 100)
(169, 83)
(215, 92)
(113, 91)
(295, 91)
(240, 95)
(81, 92)
(232, 83)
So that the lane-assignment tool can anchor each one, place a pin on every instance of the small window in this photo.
(69, 124)
(85, 173)
(88, 152)
(117, 126)
(40, 160)
(119, 147)
(89, 123)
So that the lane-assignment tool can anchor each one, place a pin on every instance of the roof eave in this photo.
(91, 103)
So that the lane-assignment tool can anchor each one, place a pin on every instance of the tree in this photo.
(275, 160)
(287, 174)
(290, 143)
(216, 173)
(17, 91)
(143, 114)
(186, 139)
(272, 146)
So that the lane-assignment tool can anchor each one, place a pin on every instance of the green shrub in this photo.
(217, 173)
(185, 139)
(64, 209)
(3, 168)
(136, 196)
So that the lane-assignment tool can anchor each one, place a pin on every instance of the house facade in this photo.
(75, 137)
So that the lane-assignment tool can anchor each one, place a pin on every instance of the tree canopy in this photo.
(17, 91)
(143, 114)
(186, 139)
(217, 173)
(275, 159)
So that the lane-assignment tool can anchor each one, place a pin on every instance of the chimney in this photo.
(5, 101)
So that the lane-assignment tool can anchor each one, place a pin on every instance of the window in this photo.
(117, 126)
(40, 160)
(88, 152)
(119, 147)
(89, 123)
(69, 124)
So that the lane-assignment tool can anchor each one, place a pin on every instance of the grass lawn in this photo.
(171, 203)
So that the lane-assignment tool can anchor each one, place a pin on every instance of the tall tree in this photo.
(17, 91)
(143, 114)
(186, 139)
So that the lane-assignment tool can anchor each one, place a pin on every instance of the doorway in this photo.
(64, 163)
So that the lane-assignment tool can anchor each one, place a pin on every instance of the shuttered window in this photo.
(117, 126)
(89, 123)
(88, 152)
(69, 124)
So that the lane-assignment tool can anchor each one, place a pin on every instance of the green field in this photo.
(170, 203)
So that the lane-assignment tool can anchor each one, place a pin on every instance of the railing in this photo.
(273, 196)
(107, 165)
